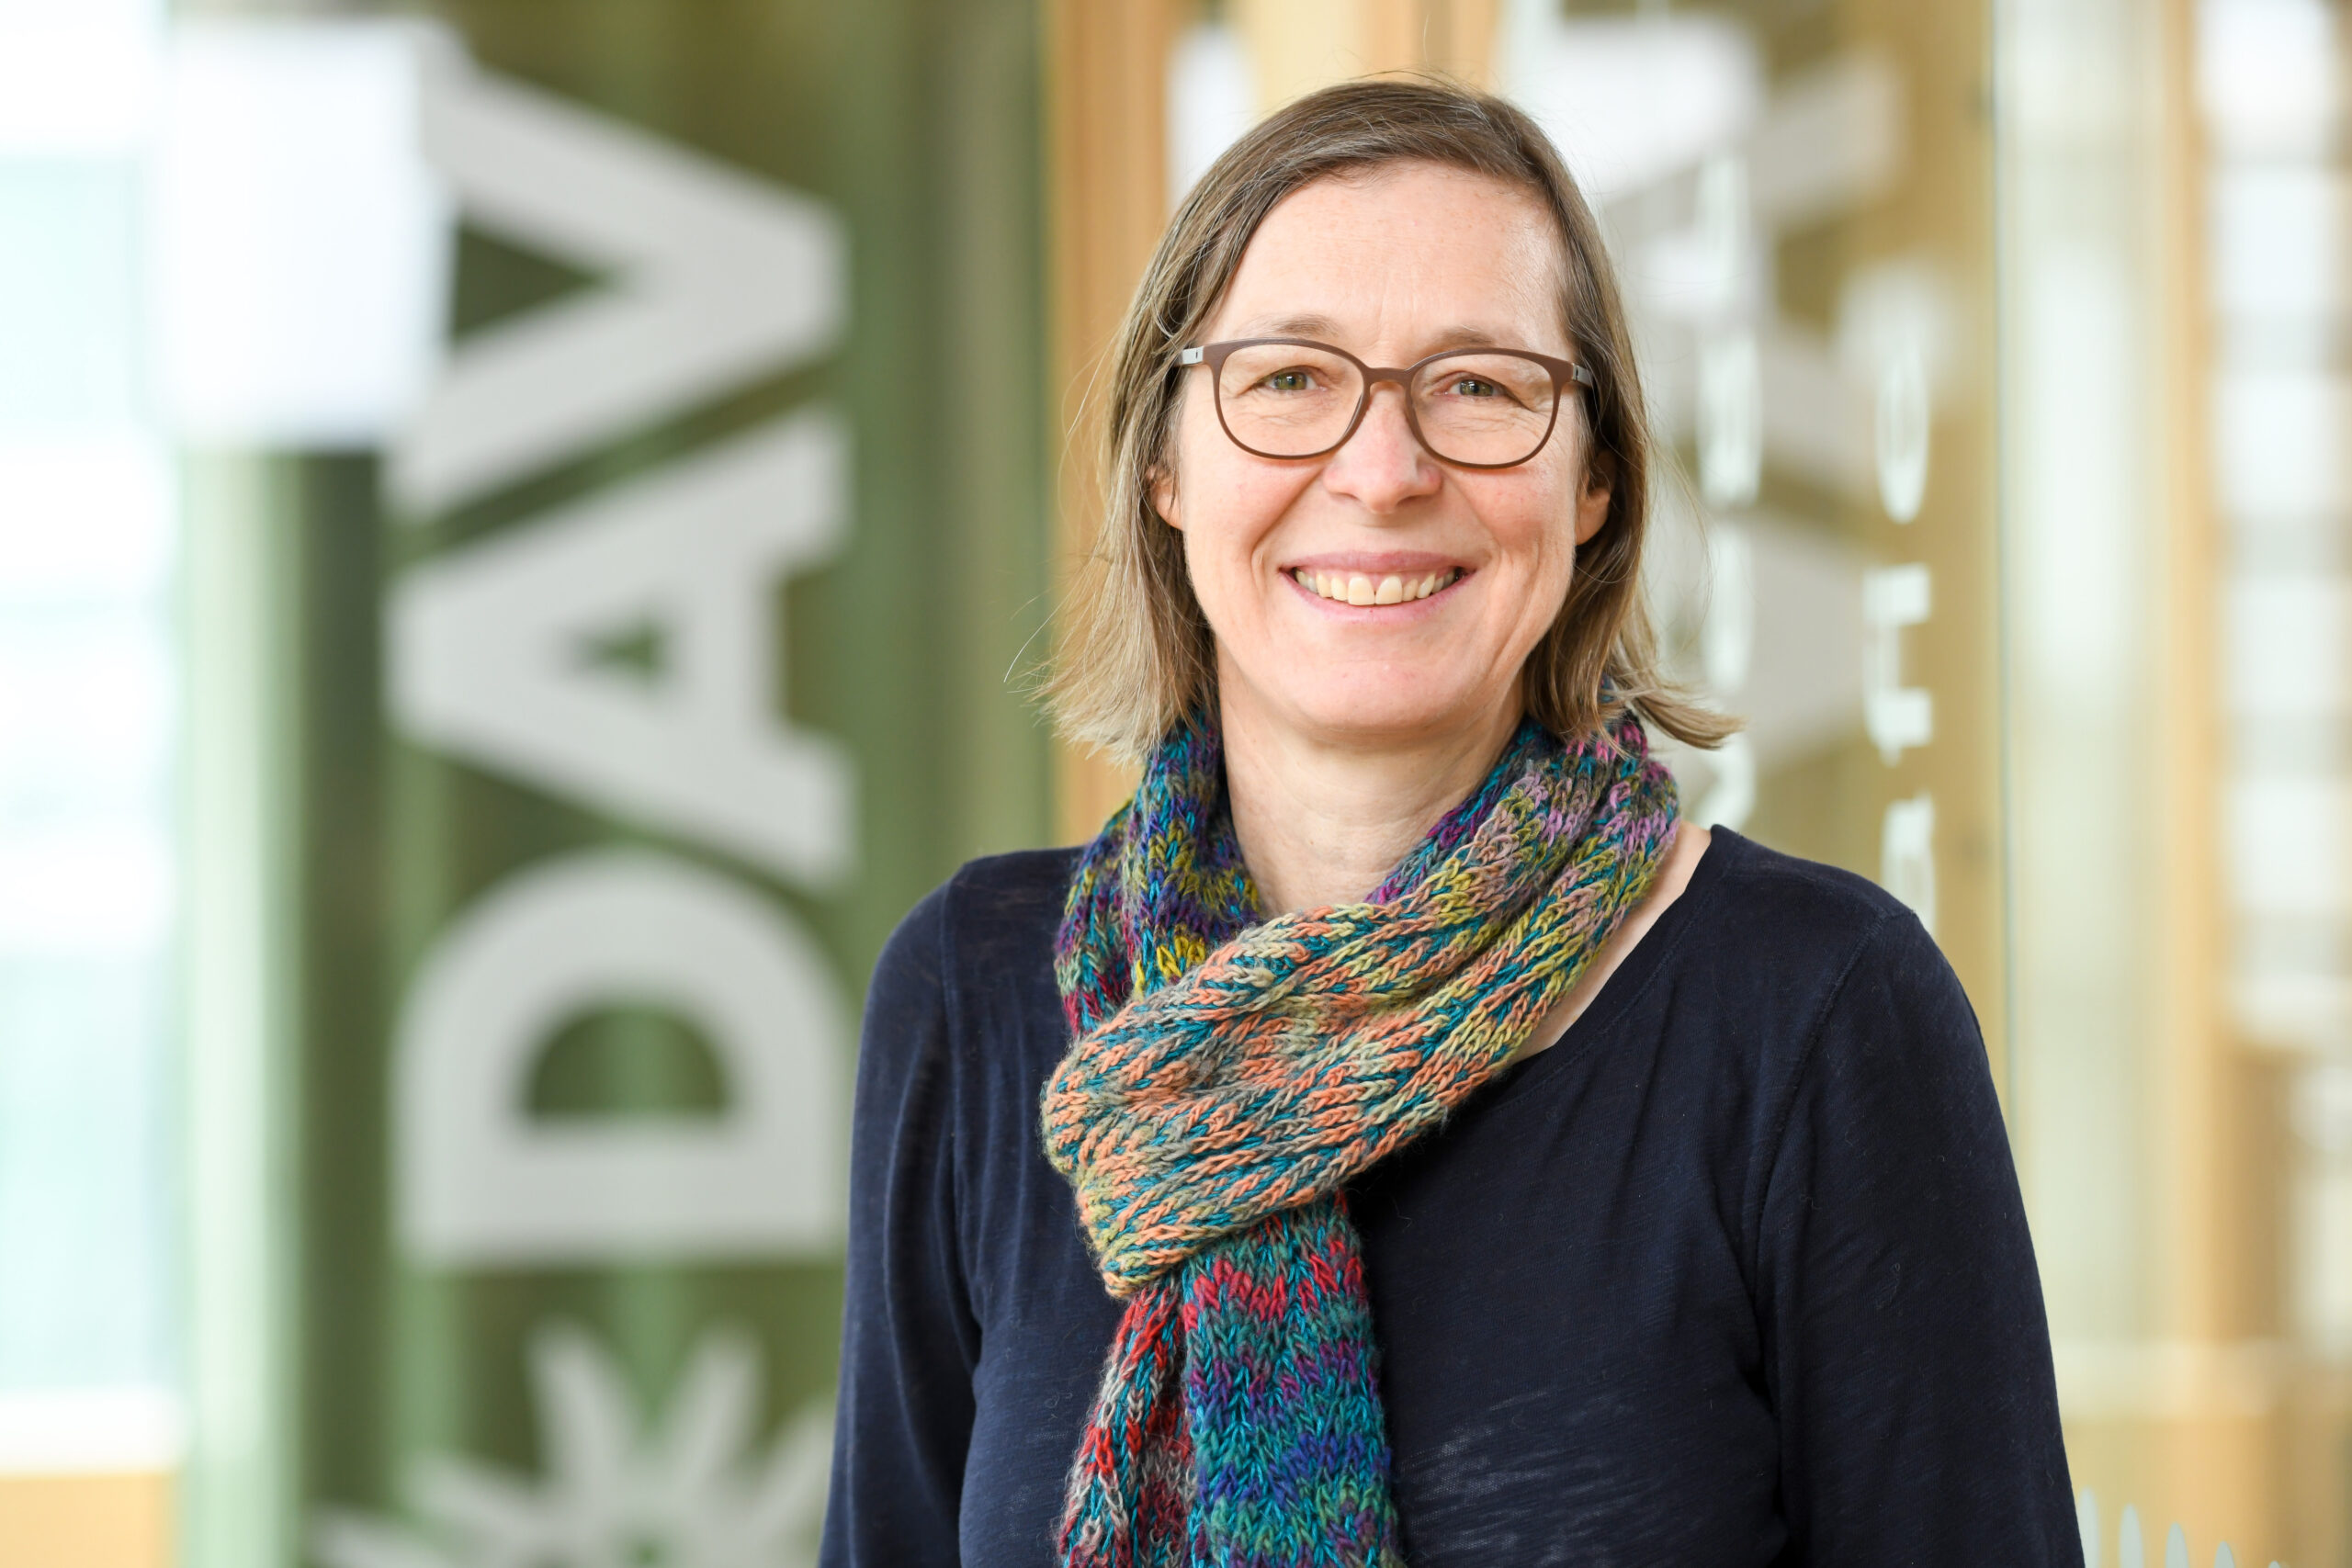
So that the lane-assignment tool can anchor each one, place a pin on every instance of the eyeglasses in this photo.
(1475, 407)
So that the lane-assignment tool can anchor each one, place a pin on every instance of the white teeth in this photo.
(1358, 588)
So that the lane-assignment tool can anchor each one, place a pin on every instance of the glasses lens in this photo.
(1484, 408)
(1285, 400)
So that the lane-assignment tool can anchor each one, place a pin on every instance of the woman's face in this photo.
(1392, 265)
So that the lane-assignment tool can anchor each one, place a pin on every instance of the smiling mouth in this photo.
(1360, 588)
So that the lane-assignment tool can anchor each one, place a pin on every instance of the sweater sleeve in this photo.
(908, 1338)
(1906, 1347)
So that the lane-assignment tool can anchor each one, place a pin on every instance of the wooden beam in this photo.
(1107, 86)
(85, 1521)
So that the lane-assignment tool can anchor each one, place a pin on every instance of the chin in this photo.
(1352, 716)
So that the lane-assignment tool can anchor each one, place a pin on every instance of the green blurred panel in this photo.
(540, 1382)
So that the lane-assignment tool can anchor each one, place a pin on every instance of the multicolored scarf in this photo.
(1230, 1076)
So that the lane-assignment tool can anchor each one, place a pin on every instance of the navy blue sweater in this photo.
(1736, 1274)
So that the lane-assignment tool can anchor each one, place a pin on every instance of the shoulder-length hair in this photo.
(1138, 654)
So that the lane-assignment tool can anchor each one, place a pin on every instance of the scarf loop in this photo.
(1229, 1076)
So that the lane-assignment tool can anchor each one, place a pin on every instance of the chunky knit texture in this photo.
(1226, 1081)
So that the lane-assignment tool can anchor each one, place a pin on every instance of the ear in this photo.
(1593, 499)
(1164, 498)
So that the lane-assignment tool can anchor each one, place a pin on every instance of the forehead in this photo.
(1405, 250)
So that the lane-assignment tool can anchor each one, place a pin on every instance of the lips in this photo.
(1360, 588)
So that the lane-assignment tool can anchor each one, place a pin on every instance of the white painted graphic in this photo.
(1775, 610)
(1696, 161)
(491, 650)
(1695, 165)
(1901, 432)
(1899, 717)
(1730, 417)
(692, 1490)
(711, 278)
(1727, 638)
(1731, 369)
(1727, 648)
(2131, 1545)
(1831, 139)
(1631, 101)
(479, 1182)
(1897, 331)
(1805, 686)
(1907, 855)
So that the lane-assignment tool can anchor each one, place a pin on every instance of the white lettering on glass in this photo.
(1907, 855)
(481, 1183)
(493, 651)
(1902, 430)
(690, 1482)
(712, 278)
(622, 652)
(1898, 717)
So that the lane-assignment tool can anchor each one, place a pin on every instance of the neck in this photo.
(1324, 821)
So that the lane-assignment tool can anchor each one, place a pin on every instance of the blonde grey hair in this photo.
(1137, 653)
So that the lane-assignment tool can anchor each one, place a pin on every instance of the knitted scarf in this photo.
(1229, 1076)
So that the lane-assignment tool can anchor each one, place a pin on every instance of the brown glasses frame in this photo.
(1566, 373)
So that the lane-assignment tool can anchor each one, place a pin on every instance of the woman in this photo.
(1397, 1139)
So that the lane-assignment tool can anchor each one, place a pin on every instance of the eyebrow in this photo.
(1326, 328)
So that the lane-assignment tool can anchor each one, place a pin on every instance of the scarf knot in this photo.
(1229, 1076)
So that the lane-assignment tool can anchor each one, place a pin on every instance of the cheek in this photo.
(1534, 526)
(1231, 503)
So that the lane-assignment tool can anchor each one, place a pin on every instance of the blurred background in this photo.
(524, 524)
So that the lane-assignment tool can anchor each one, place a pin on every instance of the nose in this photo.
(1381, 466)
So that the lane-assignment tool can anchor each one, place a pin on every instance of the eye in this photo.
(1471, 387)
(1297, 378)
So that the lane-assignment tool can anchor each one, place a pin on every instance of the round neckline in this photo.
(1641, 966)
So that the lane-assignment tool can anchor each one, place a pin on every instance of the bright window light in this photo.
(76, 79)
(88, 718)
